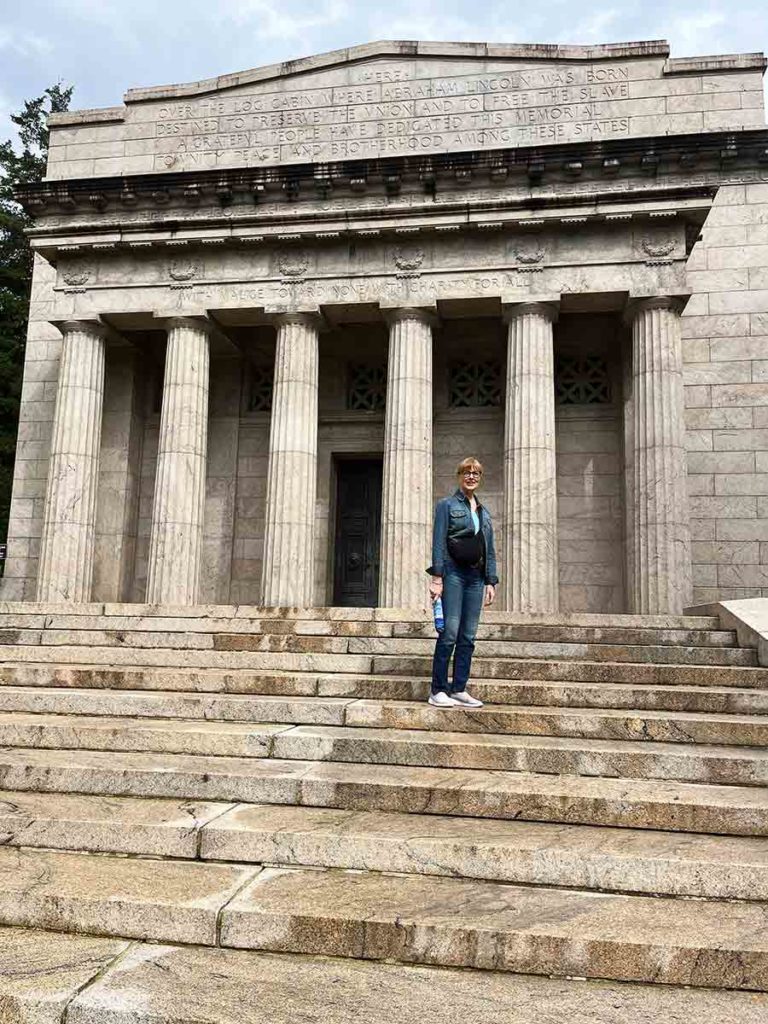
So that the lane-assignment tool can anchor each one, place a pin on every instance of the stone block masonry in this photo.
(726, 348)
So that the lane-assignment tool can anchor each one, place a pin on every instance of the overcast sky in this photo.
(103, 47)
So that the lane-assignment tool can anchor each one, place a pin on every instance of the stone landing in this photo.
(229, 814)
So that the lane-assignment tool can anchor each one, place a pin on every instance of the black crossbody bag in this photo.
(468, 552)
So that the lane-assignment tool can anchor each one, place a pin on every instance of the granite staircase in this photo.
(219, 815)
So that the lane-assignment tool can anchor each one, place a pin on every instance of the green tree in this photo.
(22, 161)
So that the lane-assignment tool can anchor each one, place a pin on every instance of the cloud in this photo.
(693, 34)
(279, 21)
(24, 43)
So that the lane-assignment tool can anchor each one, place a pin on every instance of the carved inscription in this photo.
(396, 110)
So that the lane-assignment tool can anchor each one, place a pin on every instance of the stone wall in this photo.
(725, 331)
(590, 477)
(404, 98)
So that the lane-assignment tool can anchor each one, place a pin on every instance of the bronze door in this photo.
(358, 533)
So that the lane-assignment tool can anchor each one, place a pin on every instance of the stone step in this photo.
(99, 824)
(609, 635)
(714, 699)
(259, 661)
(536, 670)
(276, 663)
(533, 720)
(152, 735)
(157, 704)
(174, 704)
(32, 628)
(640, 697)
(287, 643)
(256, 612)
(128, 897)
(636, 803)
(407, 918)
(593, 723)
(578, 856)
(46, 975)
(740, 766)
(493, 926)
(485, 650)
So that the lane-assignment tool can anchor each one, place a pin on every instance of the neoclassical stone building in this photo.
(272, 310)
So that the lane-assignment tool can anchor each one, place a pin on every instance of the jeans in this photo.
(463, 594)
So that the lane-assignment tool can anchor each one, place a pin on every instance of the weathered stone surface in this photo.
(68, 541)
(530, 511)
(217, 986)
(510, 851)
(481, 924)
(542, 754)
(261, 661)
(175, 549)
(406, 514)
(630, 803)
(186, 680)
(247, 708)
(660, 726)
(645, 653)
(289, 545)
(658, 545)
(125, 734)
(164, 900)
(42, 972)
(585, 671)
(161, 828)
(394, 98)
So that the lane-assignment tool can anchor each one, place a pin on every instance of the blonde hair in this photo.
(469, 463)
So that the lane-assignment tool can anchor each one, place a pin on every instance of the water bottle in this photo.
(437, 612)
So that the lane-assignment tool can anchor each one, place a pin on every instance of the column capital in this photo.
(544, 307)
(192, 321)
(641, 303)
(313, 319)
(418, 314)
(90, 325)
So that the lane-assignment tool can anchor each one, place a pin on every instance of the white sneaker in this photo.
(466, 699)
(441, 700)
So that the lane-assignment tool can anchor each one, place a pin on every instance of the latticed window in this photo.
(367, 387)
(474, 384)
(260, 395)
(582, 380)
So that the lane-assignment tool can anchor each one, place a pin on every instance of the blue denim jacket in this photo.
(453, 518)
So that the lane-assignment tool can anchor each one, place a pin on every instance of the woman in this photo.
(463, 573)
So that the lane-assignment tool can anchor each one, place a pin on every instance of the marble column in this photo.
(289, 550)
(407, 503)
(176, 536)
(530, 578)
(67, 547)
(659, 560)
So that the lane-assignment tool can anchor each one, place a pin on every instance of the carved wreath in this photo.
(529, 251)
(408, 257)
(76, 273)
(658, 247)
(185, 268)
(293, 264)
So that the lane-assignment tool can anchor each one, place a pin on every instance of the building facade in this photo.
(271, 311)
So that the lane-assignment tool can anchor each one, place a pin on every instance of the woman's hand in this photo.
(490, 594)
(435, 587)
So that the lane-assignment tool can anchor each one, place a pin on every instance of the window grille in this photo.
(474, 384)
(367, 387)
(582, 380)
(260, 394)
